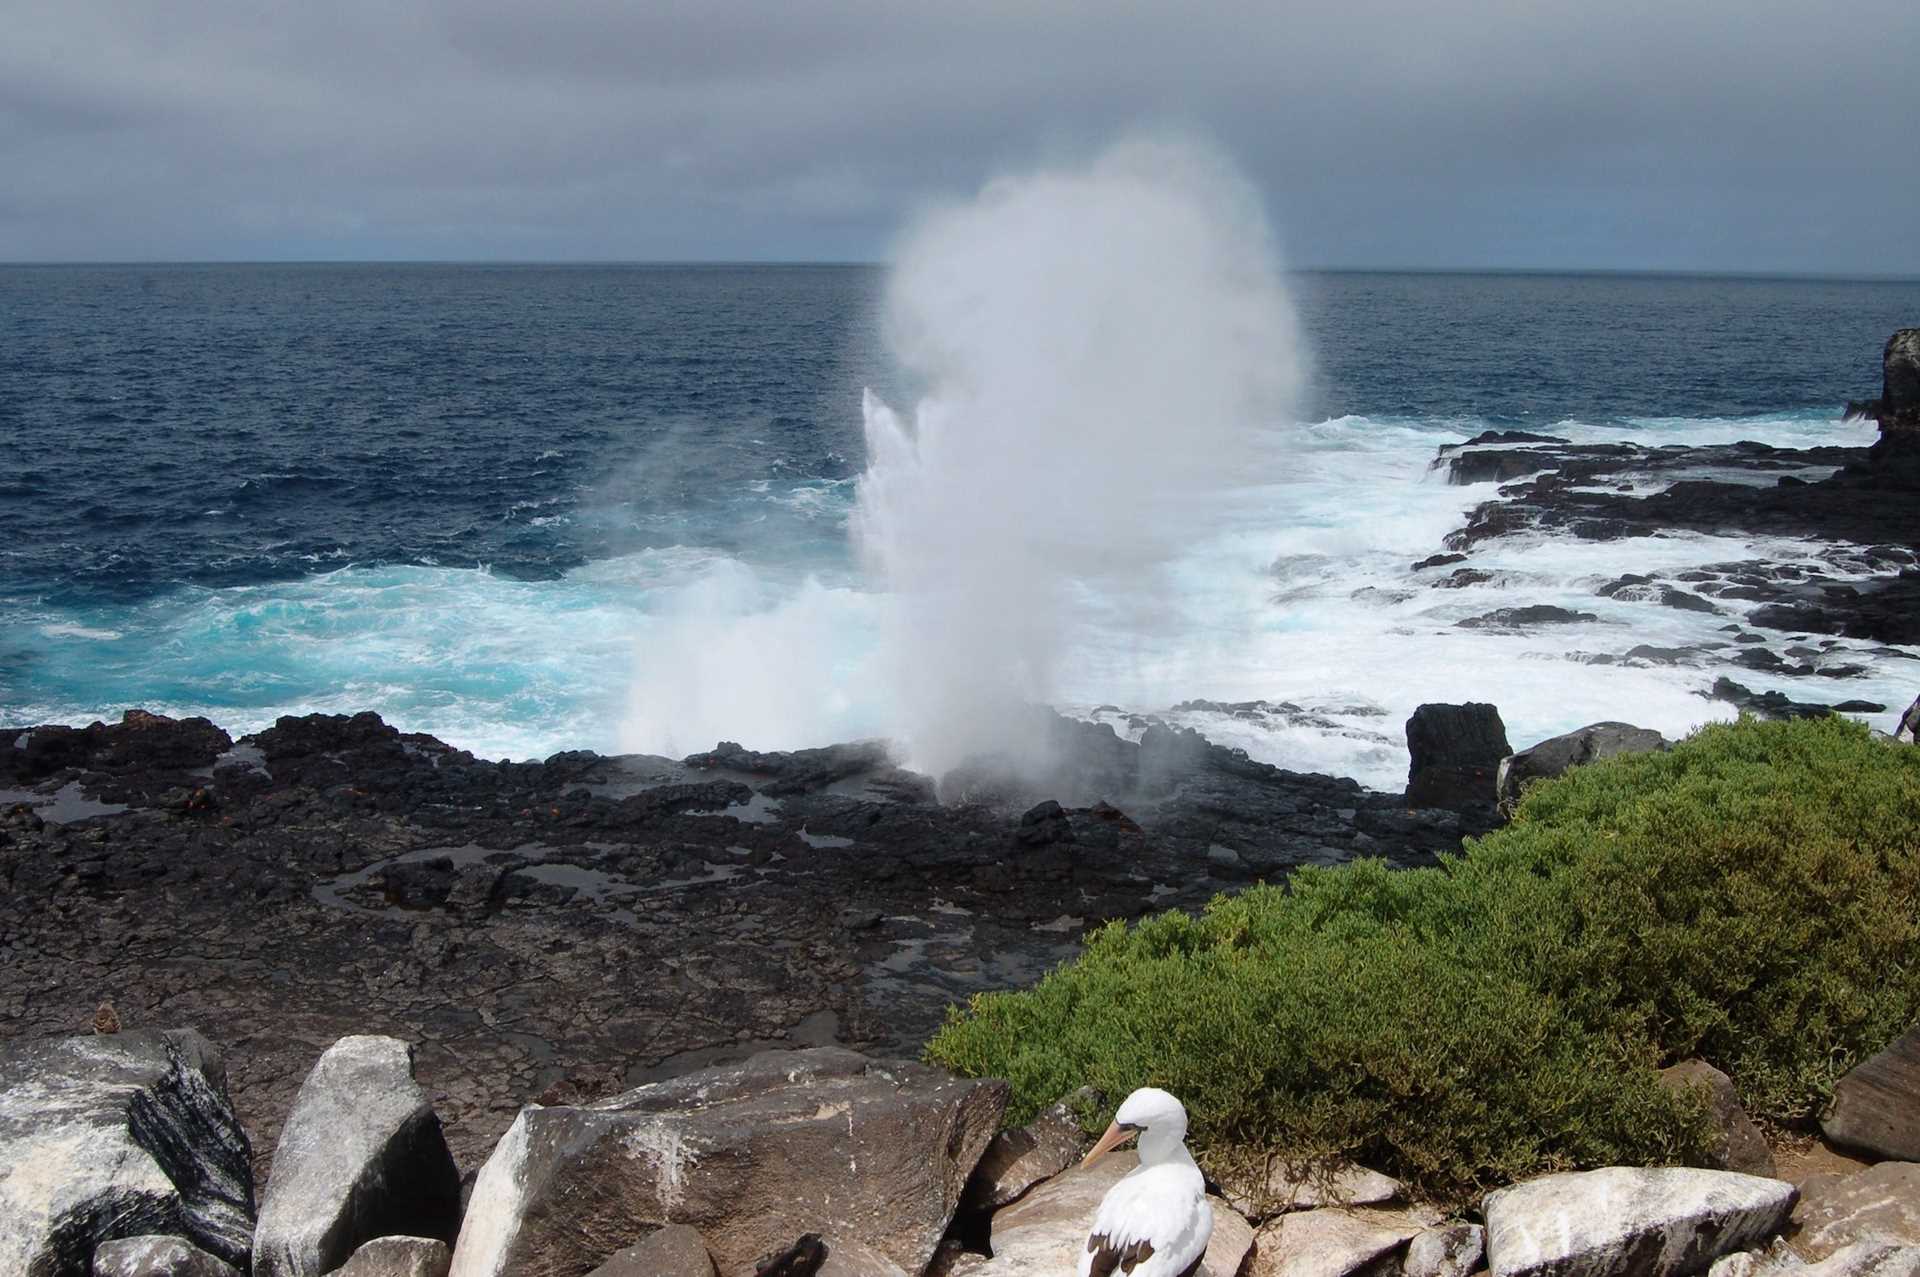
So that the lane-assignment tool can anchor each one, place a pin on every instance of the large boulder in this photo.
(1740, 1146)
(115, 1136)
(361, 1156)
(1659, 1222)
(1881, 1203)
(754, 1155)
(1336, 1242)
(1562, 753)
(156, 1256)
(1454, 755)
(1876, 1106)
(1046, 1231)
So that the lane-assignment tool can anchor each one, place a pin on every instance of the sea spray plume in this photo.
(1096, 344)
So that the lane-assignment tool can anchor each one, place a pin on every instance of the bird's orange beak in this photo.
(1116, 1134)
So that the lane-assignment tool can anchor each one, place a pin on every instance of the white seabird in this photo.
(1156, 1221)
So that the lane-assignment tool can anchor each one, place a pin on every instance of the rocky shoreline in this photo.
(560, 933)
(567, 929)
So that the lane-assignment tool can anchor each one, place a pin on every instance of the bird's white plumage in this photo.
(1165, 1206)
(1162, 1202)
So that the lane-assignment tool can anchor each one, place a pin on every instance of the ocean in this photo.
(534, 508)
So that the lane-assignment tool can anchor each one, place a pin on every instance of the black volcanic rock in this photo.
(1519, 618)
(1636, 588)
(1780, 705)
(1501, 436)
(1456, 752)
(1899, 401)
(1583, 745)
(584, 924)
(1864, 504)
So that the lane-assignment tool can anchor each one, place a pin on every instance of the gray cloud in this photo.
(1714, 135)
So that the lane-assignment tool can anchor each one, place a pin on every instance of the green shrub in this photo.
(1752, 896)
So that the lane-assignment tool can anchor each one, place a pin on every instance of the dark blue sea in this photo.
(530, 508)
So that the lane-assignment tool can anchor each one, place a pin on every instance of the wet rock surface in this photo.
(568, 929)
(1837, 598)
(1863, 585)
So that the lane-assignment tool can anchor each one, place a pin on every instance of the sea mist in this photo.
(1095, 345)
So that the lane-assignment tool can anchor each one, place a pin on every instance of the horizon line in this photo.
(1837, 276)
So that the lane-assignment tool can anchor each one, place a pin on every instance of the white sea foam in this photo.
(1097, 343)
(67, 629)
(1299, 587)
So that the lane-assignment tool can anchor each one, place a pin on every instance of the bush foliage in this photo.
(1752, 896)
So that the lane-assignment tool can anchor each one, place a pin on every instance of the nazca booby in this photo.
(1156, 1221)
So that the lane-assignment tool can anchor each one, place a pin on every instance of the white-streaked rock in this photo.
(118, 1135)
(754, 1155)
(1045, 1232)
(1881, 1203)
(1334, 1241)
(157, 1256)
(1862, 1259)
(1659, 1222)
(361, 1156)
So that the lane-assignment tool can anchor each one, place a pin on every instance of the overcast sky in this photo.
(1639, 134)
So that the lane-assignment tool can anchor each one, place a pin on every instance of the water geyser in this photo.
(1095, 346)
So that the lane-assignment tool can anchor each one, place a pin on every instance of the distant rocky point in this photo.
(1899, 402)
